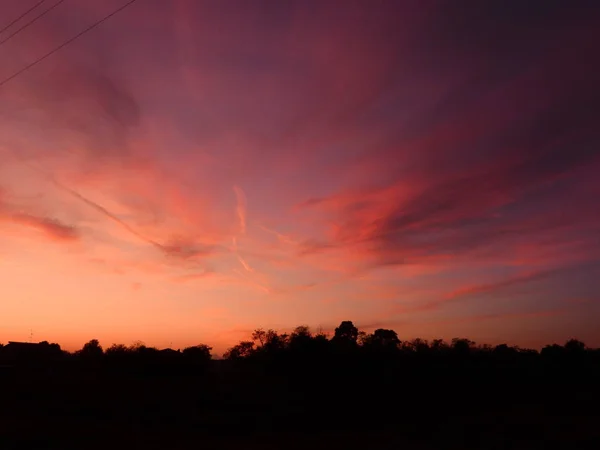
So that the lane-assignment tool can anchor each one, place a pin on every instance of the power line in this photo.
(31, 22)
(21, 16)
(64, 44)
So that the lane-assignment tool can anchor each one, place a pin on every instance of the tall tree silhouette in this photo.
(91, 350)
(345, 337)
(346, 332)
(300, 339)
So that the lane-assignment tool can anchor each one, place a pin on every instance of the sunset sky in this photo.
(191, 170)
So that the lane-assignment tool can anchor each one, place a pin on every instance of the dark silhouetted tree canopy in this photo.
(381, 340)
(242, 350)
(198, 353)
(91, 349)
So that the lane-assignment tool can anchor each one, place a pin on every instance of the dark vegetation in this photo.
(302, 390)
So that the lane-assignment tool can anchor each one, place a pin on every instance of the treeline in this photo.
(334, 389)
(136, 357)
(268, 348)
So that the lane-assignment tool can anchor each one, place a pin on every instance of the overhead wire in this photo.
(31, 22)
(6, 27)
(49, 176)
(65, 43)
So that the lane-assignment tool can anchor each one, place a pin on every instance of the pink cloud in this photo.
(52, 228)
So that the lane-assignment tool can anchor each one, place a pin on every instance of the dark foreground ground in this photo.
(424, 408)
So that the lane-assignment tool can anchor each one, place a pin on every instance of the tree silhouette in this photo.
(346, 333)
(199, 354)
(552, 351)
(381, 340)
(259, 336)
(242, 350)
(420, 346)
(274, 342)
(304, 346)
(117, 351)
(345, 339)
(439, 346)
(505, 351)
(300, 339)
(462, 346)
(574, 346)
(91, 350)
(137, 346)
